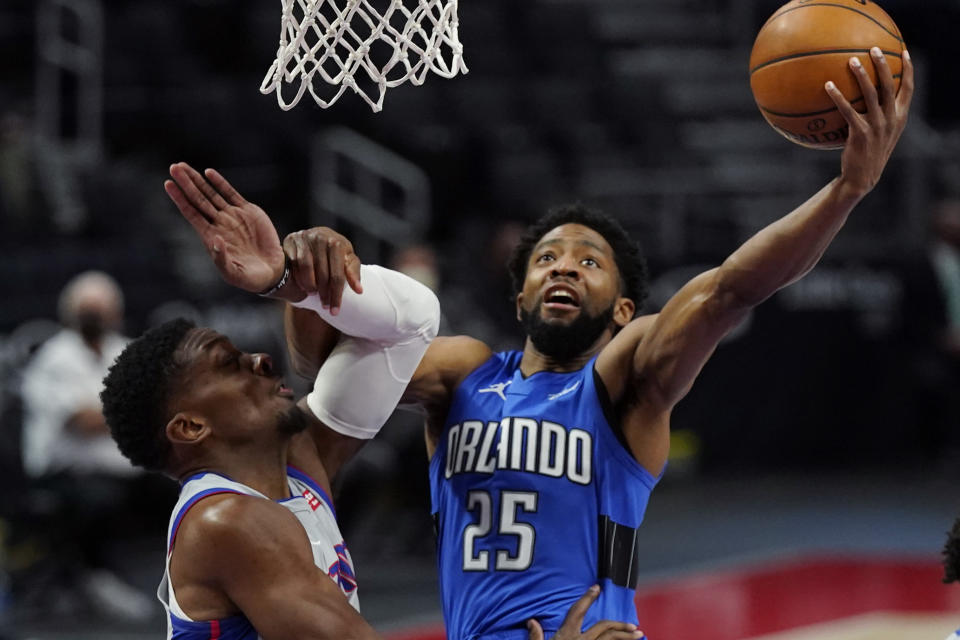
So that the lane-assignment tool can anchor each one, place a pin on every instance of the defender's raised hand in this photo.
(573, 623)
(238, 234)
(874, 134)
(321, 261)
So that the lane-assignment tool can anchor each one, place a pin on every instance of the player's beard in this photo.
(292, 421)
(563, 342)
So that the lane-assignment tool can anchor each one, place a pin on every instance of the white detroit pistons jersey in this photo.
(311, 506)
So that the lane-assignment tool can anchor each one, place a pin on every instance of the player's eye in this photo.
(547, 257)
(589, 262)
(232, 359)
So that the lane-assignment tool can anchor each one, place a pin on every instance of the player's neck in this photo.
(262, 471)
(534, 361)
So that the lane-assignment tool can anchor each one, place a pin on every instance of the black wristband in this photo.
(266, 293)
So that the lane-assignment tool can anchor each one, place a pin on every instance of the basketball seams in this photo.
(805, 115)
(807, 54)
(781, 114)
(866, 15)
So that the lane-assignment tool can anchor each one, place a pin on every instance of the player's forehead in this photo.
(573, 235)
(199, 343)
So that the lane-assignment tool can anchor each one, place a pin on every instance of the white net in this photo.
(328, 46)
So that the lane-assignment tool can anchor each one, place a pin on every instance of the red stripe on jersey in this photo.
(214, 629)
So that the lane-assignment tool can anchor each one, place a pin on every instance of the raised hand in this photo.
(873, 134)
(238, 234)
(321, 261)
(573, 623)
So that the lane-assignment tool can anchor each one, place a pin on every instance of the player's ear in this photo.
(623, 310)
(519, 300)
(187, 428)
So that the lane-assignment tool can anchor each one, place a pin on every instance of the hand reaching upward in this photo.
(238, 234)
(874, 134)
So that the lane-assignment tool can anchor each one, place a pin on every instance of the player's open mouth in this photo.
(283, 390)
(561, 297)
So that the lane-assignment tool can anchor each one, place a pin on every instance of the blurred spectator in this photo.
(64, 429)
(68, 451)
(931, 317)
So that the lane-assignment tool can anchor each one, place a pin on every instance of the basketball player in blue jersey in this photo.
(542, 460)
(254, 550)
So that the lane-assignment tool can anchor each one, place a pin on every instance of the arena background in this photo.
(817, 439)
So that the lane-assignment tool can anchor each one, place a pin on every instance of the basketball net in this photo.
(329, 42)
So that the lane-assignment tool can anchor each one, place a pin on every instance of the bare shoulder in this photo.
(447, 362)
(616, 360)
(459, 352)
(240, 553)
(218, 540)
(231, 525)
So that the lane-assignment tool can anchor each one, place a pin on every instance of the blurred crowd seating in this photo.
(638, 106)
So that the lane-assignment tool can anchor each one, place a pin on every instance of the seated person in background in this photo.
(67, 448)
(64, 429)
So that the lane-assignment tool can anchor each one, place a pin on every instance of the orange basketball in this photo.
(805, 44)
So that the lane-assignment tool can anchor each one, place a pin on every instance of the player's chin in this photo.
(559, 314)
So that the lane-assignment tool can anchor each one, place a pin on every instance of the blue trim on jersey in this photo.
(313, 484)
(188, 504)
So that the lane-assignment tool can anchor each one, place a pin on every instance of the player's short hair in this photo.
(136, 394)
(951, 554)
(626, 251)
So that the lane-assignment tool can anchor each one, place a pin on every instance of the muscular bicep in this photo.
(447, 362)
(682, 338)
(259, 556)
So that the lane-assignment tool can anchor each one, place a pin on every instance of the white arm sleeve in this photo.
(386, 330)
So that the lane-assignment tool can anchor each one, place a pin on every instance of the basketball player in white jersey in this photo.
(254, 550)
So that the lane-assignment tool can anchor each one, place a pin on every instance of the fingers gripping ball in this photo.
(805, 44)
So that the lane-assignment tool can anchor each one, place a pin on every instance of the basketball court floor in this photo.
(799, 557)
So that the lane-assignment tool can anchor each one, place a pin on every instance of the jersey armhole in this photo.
(612, 417)
(609, 411)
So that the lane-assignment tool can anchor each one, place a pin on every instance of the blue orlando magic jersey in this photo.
(535, 499)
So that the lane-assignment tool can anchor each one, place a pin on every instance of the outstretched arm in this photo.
(677, 344)
(365, 342)
(245, 247)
